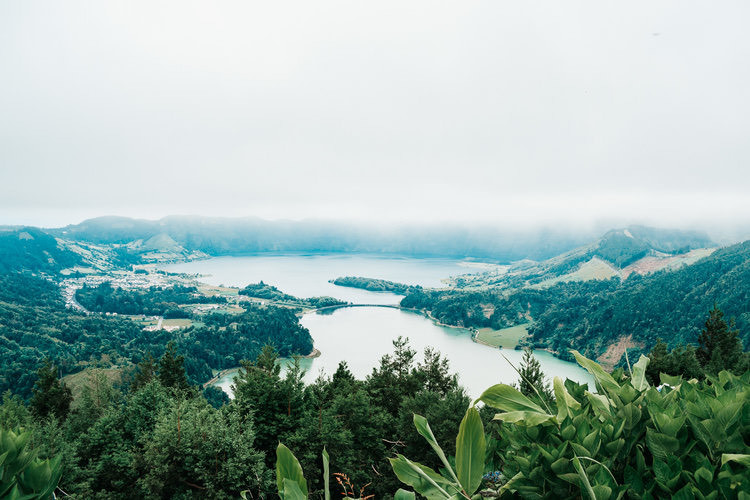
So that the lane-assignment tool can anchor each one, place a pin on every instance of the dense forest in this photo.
(375, 285)
(35, 324)
(154, 301)
(31, 249)
(406, 425)
(155, 436)
(265, 291)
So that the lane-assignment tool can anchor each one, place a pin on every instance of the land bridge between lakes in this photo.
(424, 313)
(390, 306)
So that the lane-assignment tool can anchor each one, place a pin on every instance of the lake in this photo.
(362, 335)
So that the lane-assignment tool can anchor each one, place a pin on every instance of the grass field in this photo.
(595, 269)
(179, 322)
(507, 338)
(77, 381)
(212, 291)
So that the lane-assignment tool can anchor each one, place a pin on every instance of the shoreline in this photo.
(315, 353)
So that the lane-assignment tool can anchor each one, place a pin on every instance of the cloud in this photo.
(418, 111)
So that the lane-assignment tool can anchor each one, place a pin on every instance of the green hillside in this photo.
(31, 249)
(671, 305)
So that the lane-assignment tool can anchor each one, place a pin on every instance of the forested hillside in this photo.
(35, 324)
(32, 249)
(619, 252)
(668, 305)
(155, 301)
(591, 316)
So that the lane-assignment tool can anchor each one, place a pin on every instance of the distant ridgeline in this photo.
(31, 249)
(375, 285)
(227, 236)
(602, 317)
(621, 252)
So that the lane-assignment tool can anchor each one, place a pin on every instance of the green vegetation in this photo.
(154, 301)
(152, 432)
(32, 250)
(668, 305)
(22, 474)
(480, 309)
(51, 397)
(35, 325)
(629, 439)
(270, 292)
(591, 316)
(507, 338)
(375, 285)
(719, 348)
(160, 437)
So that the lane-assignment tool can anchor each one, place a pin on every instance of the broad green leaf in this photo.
(292, 490)
(600, 403)
(326, 476)
(736, 457)
(288, 467)
(639, 374)
(506, 398)
(661, 445)
(670, 380)
(424, 480)
(602, 491)
(565, 402)
(470, 449)
(508, 485)
(423, 428)
(402, 494)
(527, 418)
(667, 424)
(686, 493)
(603, 378)
(584, 478)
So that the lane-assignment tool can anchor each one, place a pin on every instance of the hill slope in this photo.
(31, 249)
(672, 305)
(619, 252)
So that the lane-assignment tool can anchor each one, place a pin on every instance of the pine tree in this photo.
(533, 377)
(171, 369)
(50, 395)
(720, 345)
(145, 372)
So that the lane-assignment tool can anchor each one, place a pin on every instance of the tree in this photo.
(532, 377)
(145, 372)
(679, 361)
(171, 369)
(196, 451)
(720, 346)
(50, 395)
(434, 373)
(274, 403)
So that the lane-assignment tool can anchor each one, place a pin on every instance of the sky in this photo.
(515, 113)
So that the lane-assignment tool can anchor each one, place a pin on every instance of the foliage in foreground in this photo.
(628, 440)
(22, 474)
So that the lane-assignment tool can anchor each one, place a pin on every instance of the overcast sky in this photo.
(515, 112)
